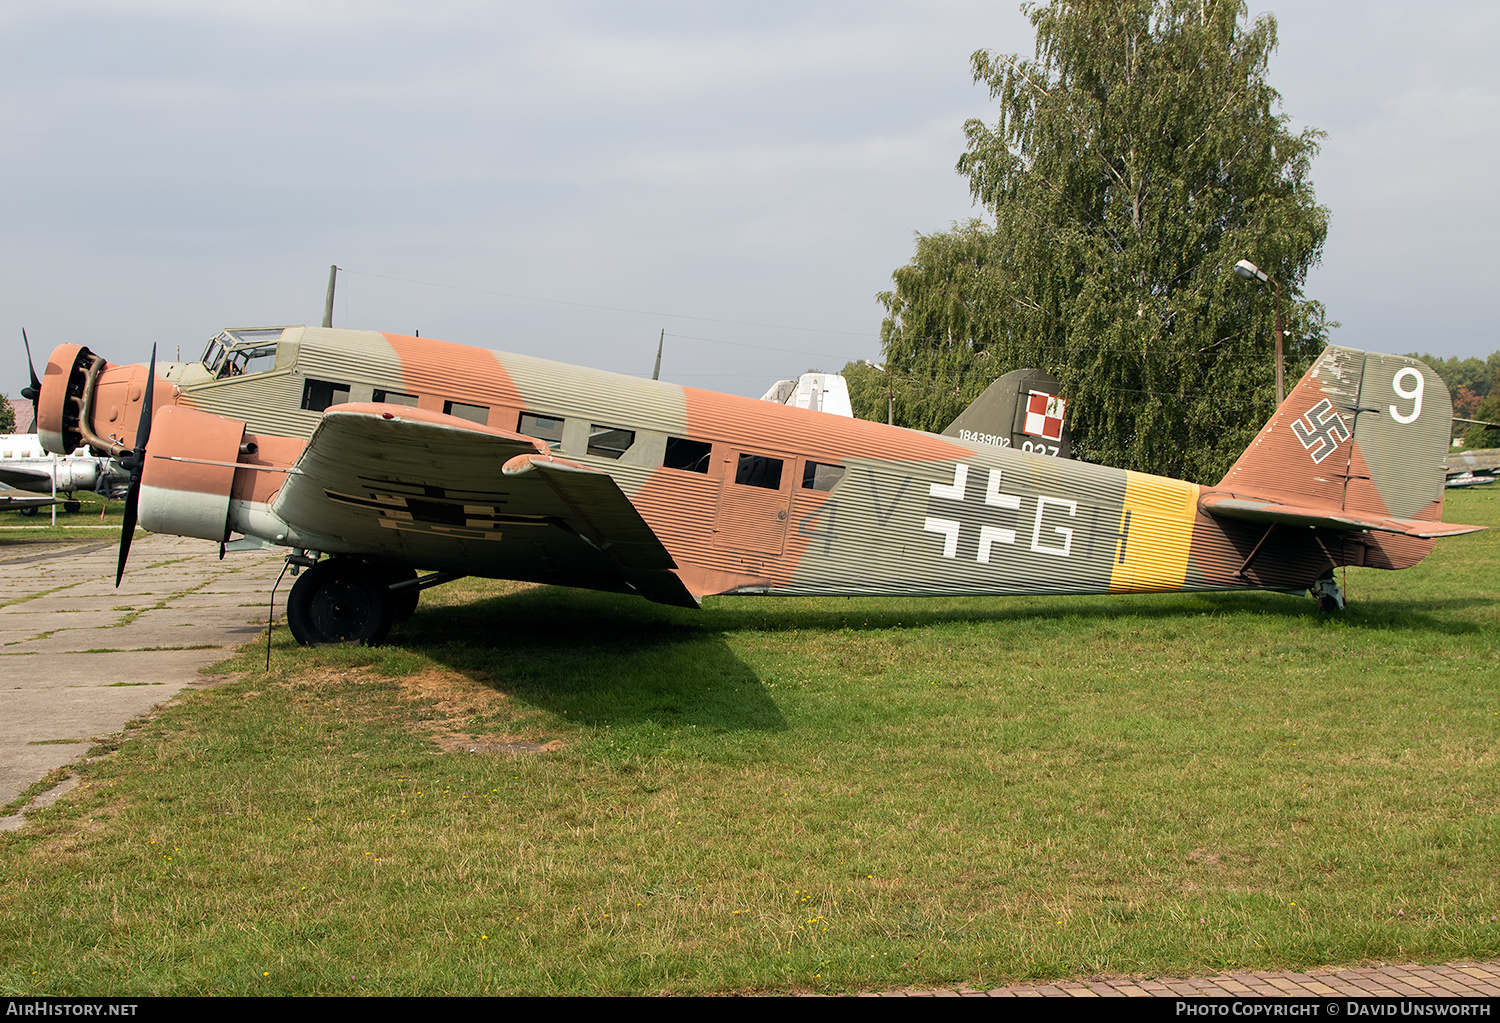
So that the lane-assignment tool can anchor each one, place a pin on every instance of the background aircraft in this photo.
(25, 465)
(823, 392)
(394, 454)
(22, 501)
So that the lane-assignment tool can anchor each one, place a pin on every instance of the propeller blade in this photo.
(127, 531)
(137, 466)
(143, 430)
(34, 392)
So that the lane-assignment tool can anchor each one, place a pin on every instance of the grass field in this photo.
(774, 795)
(96, 520)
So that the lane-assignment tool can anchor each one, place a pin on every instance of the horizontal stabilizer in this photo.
(1259, 509)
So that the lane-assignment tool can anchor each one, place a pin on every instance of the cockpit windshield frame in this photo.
(242, 350)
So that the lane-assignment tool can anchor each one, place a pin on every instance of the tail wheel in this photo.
(72, 506)
(340, 602)
(1328, 593)
(28, 511)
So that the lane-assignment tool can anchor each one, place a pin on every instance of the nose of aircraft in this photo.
(85, 400)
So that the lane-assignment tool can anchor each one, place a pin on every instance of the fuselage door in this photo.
(754, 501)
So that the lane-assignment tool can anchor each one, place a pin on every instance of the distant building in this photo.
(22, 408)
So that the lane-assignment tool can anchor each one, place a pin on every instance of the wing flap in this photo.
(444, 493)
(1260, 509)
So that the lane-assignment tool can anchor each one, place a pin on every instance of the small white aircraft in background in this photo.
(821, 392)
(25, 465)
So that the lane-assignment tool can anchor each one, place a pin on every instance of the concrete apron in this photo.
(79, 658)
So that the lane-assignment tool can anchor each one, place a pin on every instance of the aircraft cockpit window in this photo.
(608, 441)
(817, 476)
(213, 355)
(687, 455)
(758, 471)
(237, 352)
(318, 395)
(248, 360)
(473, 413)
(542, 428)
(395, 398)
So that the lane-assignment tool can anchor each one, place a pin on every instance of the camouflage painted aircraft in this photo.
(393, 455)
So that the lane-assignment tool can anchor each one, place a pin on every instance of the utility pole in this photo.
(333, 276)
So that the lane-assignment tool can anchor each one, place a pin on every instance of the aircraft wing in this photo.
(435, 491)
(11, 499)
(1267, 510)
(25, 478)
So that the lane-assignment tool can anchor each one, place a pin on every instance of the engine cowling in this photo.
(189, 473)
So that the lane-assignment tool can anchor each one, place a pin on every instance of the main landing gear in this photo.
(338, 601)
(351, 602)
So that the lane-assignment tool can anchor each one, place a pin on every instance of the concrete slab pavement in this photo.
(79, 658)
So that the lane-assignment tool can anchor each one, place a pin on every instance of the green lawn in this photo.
(768, 795)
(97, 520)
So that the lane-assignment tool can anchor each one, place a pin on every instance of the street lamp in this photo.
(1250, 272)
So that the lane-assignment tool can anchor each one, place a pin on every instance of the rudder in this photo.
(1362, 432)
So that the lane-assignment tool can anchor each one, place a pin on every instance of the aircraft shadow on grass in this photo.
(606, 659)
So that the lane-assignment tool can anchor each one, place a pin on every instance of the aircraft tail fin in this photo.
(1023, 410)
(1357, 445)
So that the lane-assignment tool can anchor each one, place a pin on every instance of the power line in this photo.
(764, 348)
(607, 308)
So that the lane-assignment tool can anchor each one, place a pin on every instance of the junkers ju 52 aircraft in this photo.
(393, 455)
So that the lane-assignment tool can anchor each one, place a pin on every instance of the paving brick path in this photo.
(1453, 980)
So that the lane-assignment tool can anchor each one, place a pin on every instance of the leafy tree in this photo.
(1484, 437)
(7, 416)
(867, 389)
(946, 321)
(1133, 162)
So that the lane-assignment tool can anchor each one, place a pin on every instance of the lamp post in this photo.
(1250, 272)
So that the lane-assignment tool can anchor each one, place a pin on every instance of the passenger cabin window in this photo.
(318, 395)
(687, 455)
(473, 413)
(817, 476)
(541, 427)
(395, 398)
(608, 441)
(758, 471)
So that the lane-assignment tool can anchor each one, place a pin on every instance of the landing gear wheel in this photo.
(1329, 595)
(340, 602)
(403, 602)
(28, 512)
(72, 506)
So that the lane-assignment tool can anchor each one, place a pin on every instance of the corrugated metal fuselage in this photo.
(783, 500)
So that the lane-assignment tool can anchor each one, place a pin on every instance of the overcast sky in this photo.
(744, 177)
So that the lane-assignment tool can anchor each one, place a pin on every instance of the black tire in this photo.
(341, 602)
(72, 506)
(28, 511)
(1329, 605)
